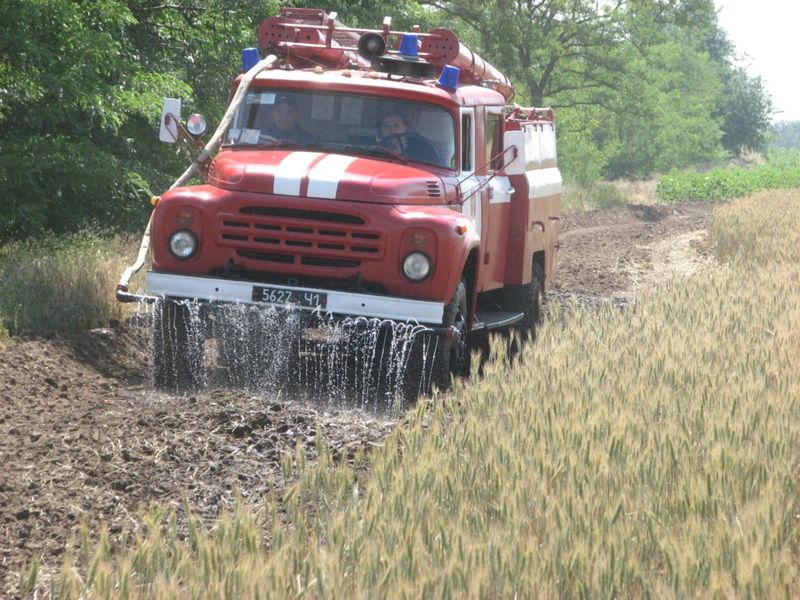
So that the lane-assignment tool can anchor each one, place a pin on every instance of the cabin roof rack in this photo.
(307, 37)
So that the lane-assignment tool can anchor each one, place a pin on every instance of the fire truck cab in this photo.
(357, 181)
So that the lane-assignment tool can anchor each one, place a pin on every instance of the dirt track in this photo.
(84, 437)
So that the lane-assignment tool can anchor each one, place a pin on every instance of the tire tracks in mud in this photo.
(610, 255)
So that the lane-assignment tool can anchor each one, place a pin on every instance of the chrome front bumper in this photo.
(164, 285)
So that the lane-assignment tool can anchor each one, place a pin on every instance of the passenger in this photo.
(284, 122)
(396, 136)
(411, 115)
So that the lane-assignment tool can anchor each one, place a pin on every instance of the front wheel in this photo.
(451, 357)
(177, 347)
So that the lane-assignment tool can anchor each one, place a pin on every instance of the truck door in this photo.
(475, 199)
(495, 236)
(468, 179)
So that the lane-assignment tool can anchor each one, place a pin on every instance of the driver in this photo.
(284, 121)
(396, 136)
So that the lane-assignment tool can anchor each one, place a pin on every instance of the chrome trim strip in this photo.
(339, 303)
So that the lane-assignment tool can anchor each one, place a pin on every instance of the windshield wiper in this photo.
(370, 149)
(376, 150)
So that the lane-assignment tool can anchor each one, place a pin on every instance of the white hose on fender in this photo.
(193, 169)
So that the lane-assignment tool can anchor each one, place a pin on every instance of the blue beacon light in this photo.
(408, 47)
(448, 78)
(250, 58)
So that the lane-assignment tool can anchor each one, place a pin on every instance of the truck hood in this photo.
(323, 175)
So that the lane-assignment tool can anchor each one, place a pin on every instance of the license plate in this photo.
(273, 295)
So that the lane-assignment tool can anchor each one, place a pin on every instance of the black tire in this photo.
(527, 299)
(452, 357)
(236, 343)
(416, 378)
(177, 348)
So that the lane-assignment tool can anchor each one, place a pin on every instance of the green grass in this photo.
(61, 284)
(727, 183)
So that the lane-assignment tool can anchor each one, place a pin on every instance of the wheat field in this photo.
(645, 453)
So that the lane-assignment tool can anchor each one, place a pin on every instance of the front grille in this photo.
(315, 261)
(300, 237)
(267, 256)
(299, 213)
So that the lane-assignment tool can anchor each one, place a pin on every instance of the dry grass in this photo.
(606, 194)
(61, 284)
(637, 192)
(652, 452)
(578, 197)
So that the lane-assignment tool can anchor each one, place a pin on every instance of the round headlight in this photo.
(196, 125)
(183, 244)
(416, 266)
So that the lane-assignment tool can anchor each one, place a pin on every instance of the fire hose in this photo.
(194, 168)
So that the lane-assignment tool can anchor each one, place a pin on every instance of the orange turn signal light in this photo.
(418, 239)
(461, 229)
(183, 217)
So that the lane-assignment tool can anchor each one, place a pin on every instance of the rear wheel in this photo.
(177, 347)
(527, 299)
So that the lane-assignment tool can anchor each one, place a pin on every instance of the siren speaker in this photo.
(395, 65)
(371, 46)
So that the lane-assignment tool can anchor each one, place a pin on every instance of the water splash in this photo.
(283, 351)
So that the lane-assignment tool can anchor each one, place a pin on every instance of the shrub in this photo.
(728, 183)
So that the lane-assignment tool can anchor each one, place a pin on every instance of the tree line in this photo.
(639, 86)
(786, 135)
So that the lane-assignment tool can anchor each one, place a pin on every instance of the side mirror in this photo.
(196, 125)
(170, 120)
(515, 140)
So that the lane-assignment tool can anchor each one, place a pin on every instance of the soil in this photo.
(84, 437)
(609, 255)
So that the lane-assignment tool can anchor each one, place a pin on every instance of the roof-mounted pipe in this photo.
(443, 47)
(308, 37)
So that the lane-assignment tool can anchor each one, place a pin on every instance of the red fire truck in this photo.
(362, 173)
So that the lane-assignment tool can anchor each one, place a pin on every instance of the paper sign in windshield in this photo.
(249, 136)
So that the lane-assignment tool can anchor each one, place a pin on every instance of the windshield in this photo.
(345, 123)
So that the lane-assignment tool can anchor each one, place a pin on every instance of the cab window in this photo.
(494, 141)
(466, 142)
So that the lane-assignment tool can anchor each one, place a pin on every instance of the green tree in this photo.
(663, 119)
(72, 96)
(745, 108)
(549, 48)
(640, 85)
(81, 85)
(633, 82)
